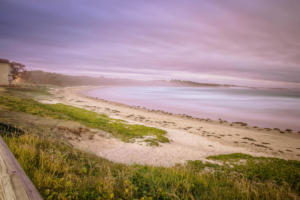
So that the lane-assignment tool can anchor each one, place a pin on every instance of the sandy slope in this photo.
(192, 139)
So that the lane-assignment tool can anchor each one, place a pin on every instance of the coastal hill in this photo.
(196, 84)
(49, 78)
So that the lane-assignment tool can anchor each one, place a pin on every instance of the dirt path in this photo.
(192, 139)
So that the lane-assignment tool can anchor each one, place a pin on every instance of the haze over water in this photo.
(266, 108)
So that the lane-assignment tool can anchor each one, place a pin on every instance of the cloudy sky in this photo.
(225, 41)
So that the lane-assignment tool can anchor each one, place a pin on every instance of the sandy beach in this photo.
(191, 138)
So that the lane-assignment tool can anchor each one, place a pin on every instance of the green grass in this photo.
(27, 90)
(263, 169)
(231, 157)
(61, 172)
(118, 128)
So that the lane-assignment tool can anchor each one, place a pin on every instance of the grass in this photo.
(61, 172)
(263, 169)
(27, 90)
(118, 128)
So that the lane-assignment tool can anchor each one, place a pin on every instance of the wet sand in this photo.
(191, 138)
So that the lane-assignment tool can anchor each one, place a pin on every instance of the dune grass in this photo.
(263, 169)
(61, 172)
(118, 128)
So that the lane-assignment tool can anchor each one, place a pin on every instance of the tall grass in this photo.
(61, 172)
(263, 169)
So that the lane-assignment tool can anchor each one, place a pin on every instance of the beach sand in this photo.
(191, 138)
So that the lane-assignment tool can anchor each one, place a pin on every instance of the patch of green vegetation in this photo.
(119, 128)
(228, 157)
(263, 169)
(61, 172)
(198, 165)
(26, 90)
(151, 142)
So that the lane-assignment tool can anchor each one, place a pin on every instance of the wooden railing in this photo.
(14, 183)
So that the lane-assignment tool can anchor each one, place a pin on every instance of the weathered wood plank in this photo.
(14, 183)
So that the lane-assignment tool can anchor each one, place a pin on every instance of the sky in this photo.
(246, 42)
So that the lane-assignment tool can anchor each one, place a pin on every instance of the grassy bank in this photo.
(12, 100)
(61, 172)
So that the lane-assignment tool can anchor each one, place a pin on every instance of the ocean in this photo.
(265, 108)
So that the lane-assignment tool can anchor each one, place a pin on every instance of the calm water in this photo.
(264, 108)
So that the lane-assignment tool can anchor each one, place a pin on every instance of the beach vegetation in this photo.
(28, 91)
(13, 101)
(263, 169)
(61, 172)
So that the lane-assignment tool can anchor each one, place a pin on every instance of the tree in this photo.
(17, 69)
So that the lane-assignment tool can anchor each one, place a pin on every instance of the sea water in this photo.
(271, 108)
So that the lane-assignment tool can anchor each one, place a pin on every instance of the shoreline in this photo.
(240, 124)
(191, 138)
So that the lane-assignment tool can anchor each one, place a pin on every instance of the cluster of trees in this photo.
(17, 70)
